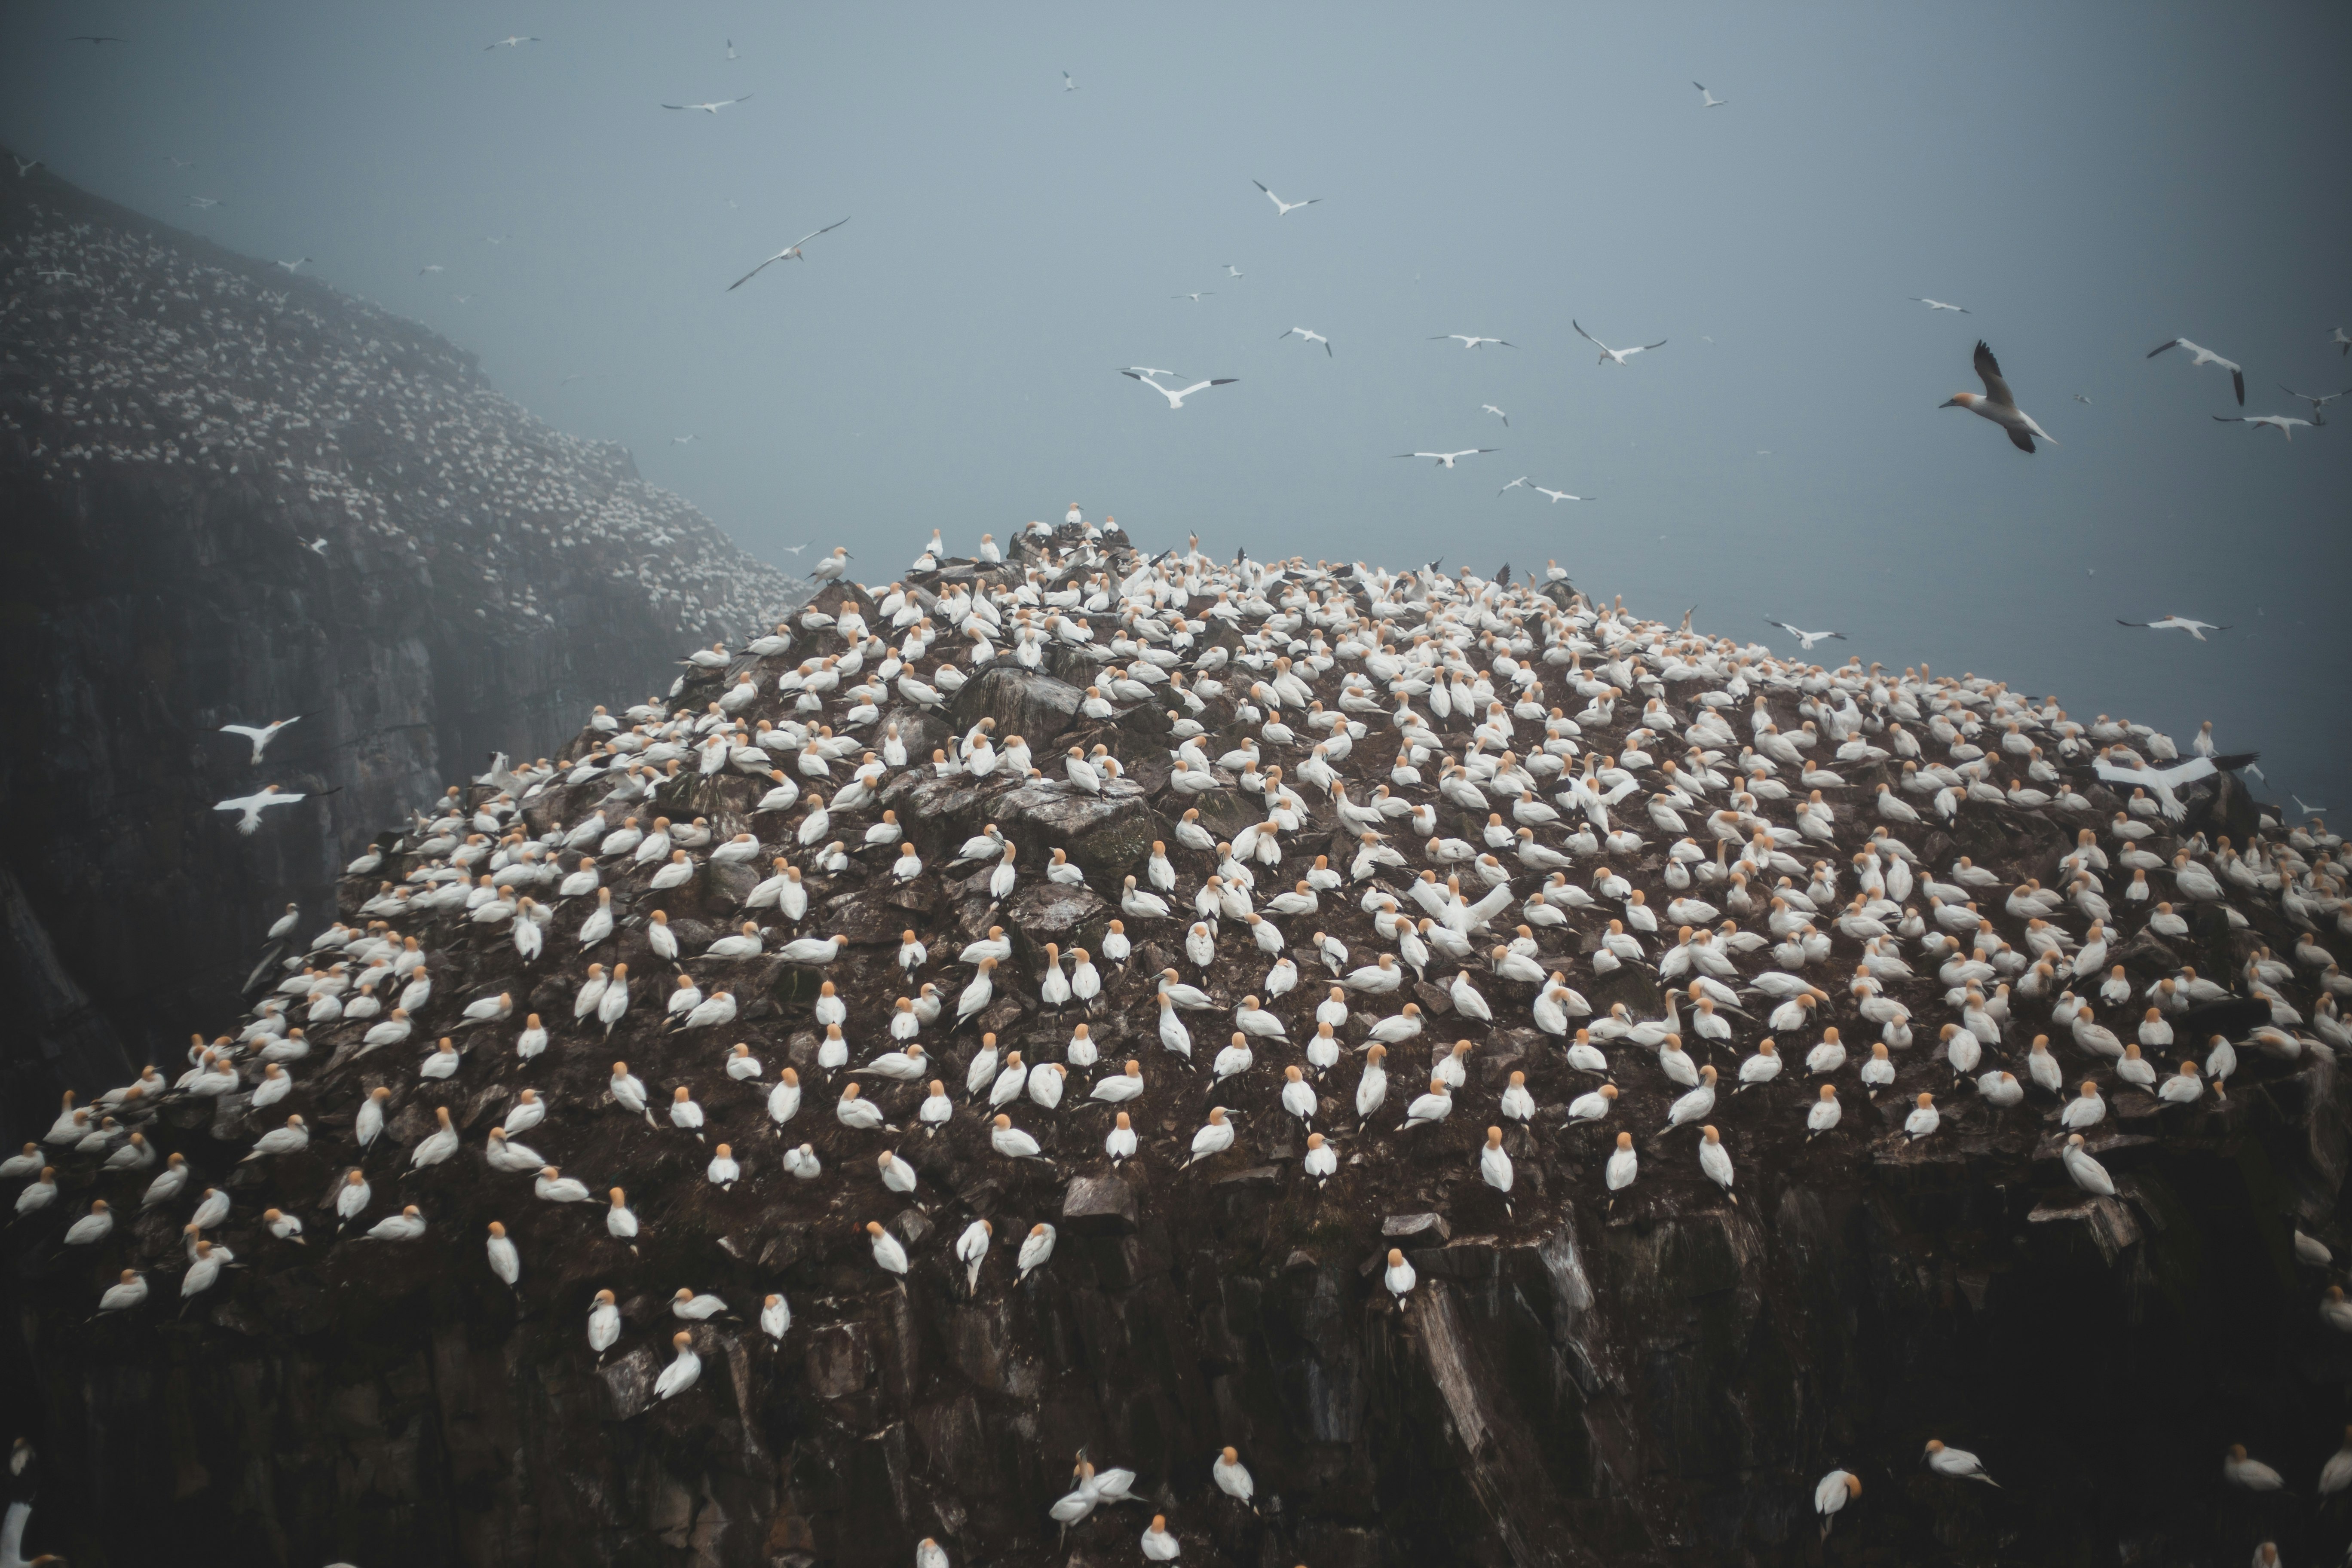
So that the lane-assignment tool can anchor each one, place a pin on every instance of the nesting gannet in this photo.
(2198, 356)
(790, 252)
(1281, 208)
(1958, 1463)
(2175, 624)
(1175, 395)
(2283, 424)
(2249, 1475)
(1615, 356)
(1996, 403)
(680, 1375)
(1298, 332)
(1831, 1494)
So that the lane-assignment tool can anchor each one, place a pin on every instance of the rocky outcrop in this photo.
(232, 496)
(1659, 1376)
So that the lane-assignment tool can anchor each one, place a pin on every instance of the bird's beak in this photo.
(1951, 403)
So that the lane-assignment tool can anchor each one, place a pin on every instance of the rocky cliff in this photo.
(1717, 851)
(232, 495)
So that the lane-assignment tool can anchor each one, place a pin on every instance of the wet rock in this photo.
(1099, 1205)
(1033, 706)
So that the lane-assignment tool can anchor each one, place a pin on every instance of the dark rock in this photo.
(1099, 1205)
(1033, 706)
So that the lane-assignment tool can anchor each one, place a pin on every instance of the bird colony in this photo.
(134, 355)
(949, 908)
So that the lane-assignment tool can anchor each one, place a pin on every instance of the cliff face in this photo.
(1577, 1376)
(228, 495)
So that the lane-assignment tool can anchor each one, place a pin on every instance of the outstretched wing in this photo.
(756, 271)
(2238, 379)
(1989, 372)
(1659, 344)
(1587, 337)
(2168, 344)
(806, 237)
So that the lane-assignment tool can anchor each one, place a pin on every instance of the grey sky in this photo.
(2088, 180)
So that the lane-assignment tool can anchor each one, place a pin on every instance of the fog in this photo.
(2087, 181)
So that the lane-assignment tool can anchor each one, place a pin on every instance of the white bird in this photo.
(2283, 424)
(1196, 296)
(715, 108)
(1282, 207)
(516, 42)
(1708, 100)
(1471, 341)
(2318, 405)
(1939, 305)
(1036, 1250)
(1806, 637)
(1996, 403)
(887, 1254)
(790, 252)
(1490, 408)
(1446, 459)
(2198, 356)
(679, 1376)
(1174, 396)
(1615, 356)
(253, 805)
(1067, 85)
(1558, 496)
(1310, 337)
(1399, 1276)
(1958, 1463)
(2175, 624)
(263, 736)
(1832, 1493)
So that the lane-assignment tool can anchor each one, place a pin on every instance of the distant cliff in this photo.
(228, 495)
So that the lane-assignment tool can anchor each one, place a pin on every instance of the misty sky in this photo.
(2088, 180)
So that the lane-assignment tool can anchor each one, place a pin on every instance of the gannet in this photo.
(714, 108)
(2206, 356)
(1399, 1278)
(1446, 459)
(1958, 1463)
(1469, 341)
(680, 1375)
(1176, 397)
(263, 736)
(1299, 333)
(1615, 356)
(1996, 403)
(2285, 425)
(1938, 304)
(1281, 208)
(887, 1254)
(2250, 1475)
(2175, 624)
(1806, 637)
(515, 42)
(1708, 100)
(790, 252)
(1557, 496)
(253, 805)
(2318, 405)
(1831, 1493)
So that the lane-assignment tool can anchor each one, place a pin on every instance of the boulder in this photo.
(1099, 1205)
(1033, 706)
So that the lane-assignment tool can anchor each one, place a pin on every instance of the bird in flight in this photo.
(2206, 356)
(1067, 85)
(516, 42)
(1939, 305)
(1143, 370)
(1514, 484)
(1468, 342)
(1282, 207)
(26, 166)
(1196, 298)
(1490, 408)
(1558, 495)
(1310, 337)
(795, 548)
(1610, 355)
(179, 162)
(682, 440)
(463, 298)
(2283, 424)
(710, 107)
(2177, 624)
(1994, 403)
(2343, 343)
(295, 264)
(731, 50)
(1446, 459)
(318, 546)
(203, 201)
(2318, 405)
(2082, 400)
(2305, 806)
(262, 736)
(1176, 398)
(430, 266)
(1708, 100)
(791, 252)
(1232, 270)
(1805, 637)
(253, 805)
(95, 39)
